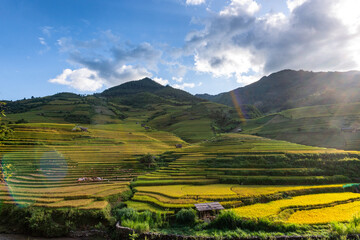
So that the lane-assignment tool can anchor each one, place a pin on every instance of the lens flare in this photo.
(11, 176)
(53, 166)
(237, 103)
(31, 168)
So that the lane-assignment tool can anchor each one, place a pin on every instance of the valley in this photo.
(142, 154)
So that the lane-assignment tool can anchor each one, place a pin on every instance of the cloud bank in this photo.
(125, 63)
(235, 42)
(314, 35)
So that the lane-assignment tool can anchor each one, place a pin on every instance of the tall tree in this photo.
(5, 131)
(2, 111)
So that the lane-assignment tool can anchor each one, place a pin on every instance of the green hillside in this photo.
(292, 89)
(161, 107)
(325, 125)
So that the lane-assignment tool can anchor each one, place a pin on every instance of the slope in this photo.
(161, 107)
(291, 89)
(334, 125)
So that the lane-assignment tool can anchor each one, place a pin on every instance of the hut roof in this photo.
(201, 207)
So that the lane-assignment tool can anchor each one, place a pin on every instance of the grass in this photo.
(316, 125)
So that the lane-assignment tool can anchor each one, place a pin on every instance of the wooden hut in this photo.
(208, 211)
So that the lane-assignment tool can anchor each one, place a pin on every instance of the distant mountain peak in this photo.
(132, 87)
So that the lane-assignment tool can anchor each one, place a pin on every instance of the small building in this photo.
(178, 145)
(80, 129)
(208, 210)
(238, 130)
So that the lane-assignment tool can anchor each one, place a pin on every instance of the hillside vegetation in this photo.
(162, 107)
(292, 89)
(143, 154)
(333, 126)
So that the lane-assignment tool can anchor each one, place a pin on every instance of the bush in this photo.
(186, 216)
(225, 220)
(21, 121)
(343, 229)
(42, 223)
(228, 220)
(126, 214)
(136, 225)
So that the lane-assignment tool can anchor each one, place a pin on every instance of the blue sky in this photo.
(201, 46)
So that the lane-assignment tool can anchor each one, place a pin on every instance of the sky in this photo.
(201, 46)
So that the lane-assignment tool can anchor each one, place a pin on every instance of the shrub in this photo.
(225, 220)
(186, 216)
(343, 229)
(125, 214)
(136, 225)
(228, 220)
(42, 223)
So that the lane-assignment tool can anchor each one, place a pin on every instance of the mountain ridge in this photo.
(290, 89)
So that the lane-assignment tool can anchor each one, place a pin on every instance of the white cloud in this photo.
(247, 79)
(161, 81)
(81, 79)
(239, 7)
(105, 64)
(195, 2)
(126, 73)
(65, 44)
(42, 41)
(46, 30)
(177, 79)
(316, 35)
(87, 80)
(184, 85)
(292, 4)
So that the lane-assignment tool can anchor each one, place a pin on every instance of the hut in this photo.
(238, 130)
(178, 145)
(208, 210)
(80, 129)
(83, 129)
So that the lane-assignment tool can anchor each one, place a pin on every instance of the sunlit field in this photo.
(49, 165)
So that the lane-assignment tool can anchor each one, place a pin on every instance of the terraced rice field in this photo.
(256, 177)
(42, 163)
(261, 210)
(338, 213)
(220, 171)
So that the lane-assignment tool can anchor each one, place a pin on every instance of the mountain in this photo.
(150, 91)
(133, 87)
(161, 107)
(292, 89)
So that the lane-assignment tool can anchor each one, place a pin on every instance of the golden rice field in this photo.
(261, 210)
(338, 213)
(216, 161)
(227, 190)
(42, 163)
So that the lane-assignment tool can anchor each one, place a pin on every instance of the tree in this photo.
(2, 111)
(148, 160)
(5, 131)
